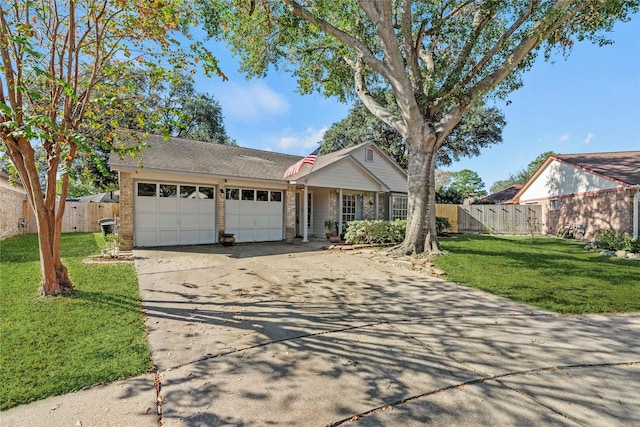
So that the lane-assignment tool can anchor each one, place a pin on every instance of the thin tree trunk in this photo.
(55, 279)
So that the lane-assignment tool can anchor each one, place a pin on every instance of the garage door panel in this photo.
(188, 237)
(206, 221)
(188, 221)
(168, 220)
(206, 206)
(206, 236)
(146, 220)
(168, 237)
(166, 204)
(247, 222)
(188, 206)
(261, 222)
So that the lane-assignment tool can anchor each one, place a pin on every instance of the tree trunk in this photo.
(55, 279)
(421, 233)
(431, 243)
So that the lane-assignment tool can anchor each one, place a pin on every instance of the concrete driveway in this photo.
(287, 334)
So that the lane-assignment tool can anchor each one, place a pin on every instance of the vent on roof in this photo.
(368, 155)
(254, 158)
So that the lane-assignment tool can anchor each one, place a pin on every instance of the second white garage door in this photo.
(254, 215)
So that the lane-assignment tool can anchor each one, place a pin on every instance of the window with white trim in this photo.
(348, 207)
(399, 207)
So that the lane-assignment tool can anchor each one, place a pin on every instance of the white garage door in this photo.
(174, 214)
(254, 215)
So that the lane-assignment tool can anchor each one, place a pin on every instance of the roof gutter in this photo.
(636, 207)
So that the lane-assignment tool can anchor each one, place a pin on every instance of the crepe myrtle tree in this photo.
(55, 57)
(439, 58)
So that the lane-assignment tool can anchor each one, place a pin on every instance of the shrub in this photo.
(375, 231)
(613, 240)
(442, 224)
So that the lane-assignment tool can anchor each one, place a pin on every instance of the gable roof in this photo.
(329, 159)
(621, 166)
(503, 196)
(198, 157)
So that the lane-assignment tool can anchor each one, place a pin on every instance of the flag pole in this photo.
(305, 203)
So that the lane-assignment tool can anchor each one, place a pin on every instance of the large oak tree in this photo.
(439, 58)
(56, 56)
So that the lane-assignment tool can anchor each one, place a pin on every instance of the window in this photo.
(188, 192)
(206, 193)
(146, 189)
(368, 155)
(554, 204)
(276, 196)
(262, 195)
(399, 207)
(348, 207)
(233, 194)
(168, 190)
(248, 194)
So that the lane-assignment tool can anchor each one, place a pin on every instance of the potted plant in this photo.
(329, 225)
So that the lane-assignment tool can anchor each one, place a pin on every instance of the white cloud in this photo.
(252, 101)
(564, 137)
(589, 138)
(305, 141)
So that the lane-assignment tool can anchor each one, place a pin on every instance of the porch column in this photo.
(339, 211)
(377, 203)
(305, 215)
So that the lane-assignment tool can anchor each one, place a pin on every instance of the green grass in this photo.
(53, 345)
(554, 274)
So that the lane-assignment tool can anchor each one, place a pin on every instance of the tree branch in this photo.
(557, 15)
(480, 20)
(369, 101)
(500, 43)
(362, 50)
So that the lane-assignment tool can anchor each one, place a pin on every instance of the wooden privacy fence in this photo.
(499, 219)
(80, 217)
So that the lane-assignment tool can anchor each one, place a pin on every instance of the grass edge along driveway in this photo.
(54, 345)
(545, 272)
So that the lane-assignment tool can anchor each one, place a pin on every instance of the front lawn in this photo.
(554, 274)
(54, 345)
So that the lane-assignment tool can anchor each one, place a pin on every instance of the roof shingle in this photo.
(623, 166)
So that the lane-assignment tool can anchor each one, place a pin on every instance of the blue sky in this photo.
(587, 103)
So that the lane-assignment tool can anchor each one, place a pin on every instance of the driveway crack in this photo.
(496, 378)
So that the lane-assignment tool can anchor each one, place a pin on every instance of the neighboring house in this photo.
(14, 208)
(502, 197)
(190, 192)
(108, 197)
(597, 190)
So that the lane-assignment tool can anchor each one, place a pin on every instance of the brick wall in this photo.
(125, 226)
(603, 210)
(12, 208)
(290, 213)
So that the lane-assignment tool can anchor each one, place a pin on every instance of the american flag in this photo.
(310, 159)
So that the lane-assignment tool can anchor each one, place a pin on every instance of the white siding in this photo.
(560, 179)
(383, 169)
(344, 174)
(320, 211)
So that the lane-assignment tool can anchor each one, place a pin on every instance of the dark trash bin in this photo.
(107, 225)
